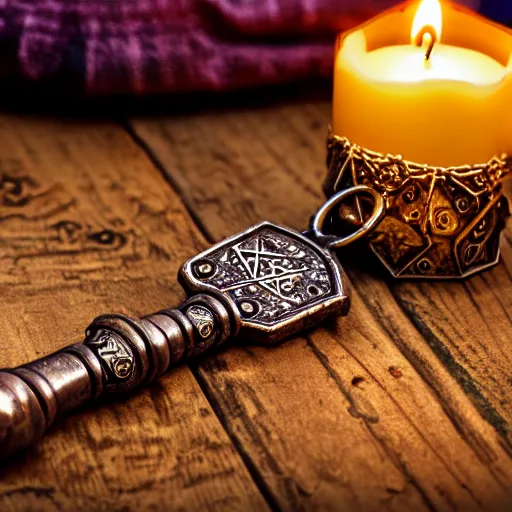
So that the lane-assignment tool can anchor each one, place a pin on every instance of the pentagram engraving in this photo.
(272, 273)
(276, 281)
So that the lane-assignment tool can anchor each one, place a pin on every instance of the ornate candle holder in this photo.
(438, 222)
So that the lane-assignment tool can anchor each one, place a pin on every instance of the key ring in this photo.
(333, 242)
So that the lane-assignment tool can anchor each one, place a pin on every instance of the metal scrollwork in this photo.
(276, 278)
(439, 222)
(275, 275)
(203, 321)
(115, 355)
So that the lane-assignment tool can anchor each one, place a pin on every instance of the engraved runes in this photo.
(113, 352)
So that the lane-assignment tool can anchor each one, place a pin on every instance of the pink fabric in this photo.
(153, 46)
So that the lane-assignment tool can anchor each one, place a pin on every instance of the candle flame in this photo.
(429, 16)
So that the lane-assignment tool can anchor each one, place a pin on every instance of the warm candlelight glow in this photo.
(445, 110)
(429, 16)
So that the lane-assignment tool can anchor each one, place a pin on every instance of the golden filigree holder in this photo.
(438, 223)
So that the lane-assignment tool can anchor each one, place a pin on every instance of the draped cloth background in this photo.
(99, 47)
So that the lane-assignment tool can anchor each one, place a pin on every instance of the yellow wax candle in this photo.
(406, 64)
(451, 109)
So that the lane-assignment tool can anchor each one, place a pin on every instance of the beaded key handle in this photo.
(265, 284)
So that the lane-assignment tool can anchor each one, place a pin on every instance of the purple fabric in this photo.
(152, 46)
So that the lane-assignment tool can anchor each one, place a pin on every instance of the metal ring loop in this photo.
(330, 241)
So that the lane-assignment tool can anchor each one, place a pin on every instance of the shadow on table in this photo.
(26, 99)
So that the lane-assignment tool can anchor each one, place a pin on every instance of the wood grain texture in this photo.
(404, 404)
(88, 226)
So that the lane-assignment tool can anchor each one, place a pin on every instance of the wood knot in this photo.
(357, 380)
(72, 232)
(395, 372)
(16, 190)
(108, 237)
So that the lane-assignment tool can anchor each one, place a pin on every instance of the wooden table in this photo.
(404, 405)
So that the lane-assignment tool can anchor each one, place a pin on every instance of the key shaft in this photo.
(265, 284)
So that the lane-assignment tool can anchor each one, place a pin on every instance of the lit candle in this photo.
(429, 82)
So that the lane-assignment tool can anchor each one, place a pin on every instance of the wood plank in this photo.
(358, 414)
(87, 226)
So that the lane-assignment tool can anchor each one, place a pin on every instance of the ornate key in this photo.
(264, 284)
